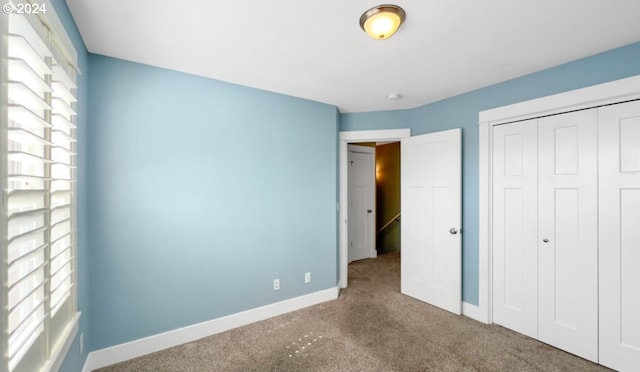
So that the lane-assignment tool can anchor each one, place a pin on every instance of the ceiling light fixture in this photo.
(382, 21)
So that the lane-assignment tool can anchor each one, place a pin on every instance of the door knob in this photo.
(545, 240)
(453, 231)
(369, 211)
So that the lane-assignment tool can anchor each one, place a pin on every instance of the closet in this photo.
(565, 229)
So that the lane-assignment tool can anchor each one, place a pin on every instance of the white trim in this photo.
(129, 350)
(388, 135)
(484, 246)
(343, 228)
(60, 350)
(596, 95)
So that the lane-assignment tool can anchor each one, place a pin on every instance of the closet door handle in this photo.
(545, 240)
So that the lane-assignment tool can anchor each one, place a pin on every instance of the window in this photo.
(37, 174)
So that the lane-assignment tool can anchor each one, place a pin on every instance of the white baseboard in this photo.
(474, 312)
(133, 349)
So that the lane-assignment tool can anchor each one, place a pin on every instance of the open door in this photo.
(362, 200)
(431, 269)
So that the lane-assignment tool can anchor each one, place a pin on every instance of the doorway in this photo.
(431, 195)
(345, 139)
(374, 199)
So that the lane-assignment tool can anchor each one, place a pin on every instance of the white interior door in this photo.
(431, 219)
(361, 214)
(567, 241)
(515, 226)
(619, 243)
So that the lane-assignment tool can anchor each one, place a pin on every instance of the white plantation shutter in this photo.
(38, 211)
(61, 188)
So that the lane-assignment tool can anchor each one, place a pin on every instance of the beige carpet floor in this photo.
(371, 327)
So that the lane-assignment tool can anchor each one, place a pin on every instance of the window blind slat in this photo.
(58, 263)
(25, 201)
(61, 122)
(60, 172)
(61, 244)
(60, 185)
(24, 244)
(60, 90)
(25, 266)
(25, 157)
(25, 164)
(61, 139)
(25, 239)
(59, 106)
(25, 335)
(64, 224)
(20, 93)
(60, 213)
(60, 154)
(20, 25)
(60, 251)
(22, 117)
(25, 223)
(61, 76)
(62, 134)
(19, 70)
(25, 290)
(26, 137)
(25, 183)
(18, 47)
(62, 271)
(60, 293)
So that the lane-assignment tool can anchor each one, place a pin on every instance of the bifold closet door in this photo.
(568, 232)
(619, 244)
(515, 219)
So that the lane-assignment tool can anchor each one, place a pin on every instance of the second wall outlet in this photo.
(307, 277)
(276, 284)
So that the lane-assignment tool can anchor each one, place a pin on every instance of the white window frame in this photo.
(55, 33)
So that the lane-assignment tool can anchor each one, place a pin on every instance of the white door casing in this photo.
(431, 219)
(343, 225)
(361, 206)
(515, 230)
(567, 243)
(619, 240)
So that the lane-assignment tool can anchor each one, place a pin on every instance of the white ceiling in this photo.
(315, 49)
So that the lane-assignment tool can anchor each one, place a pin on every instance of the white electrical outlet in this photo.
(307, 277)
(276, 284)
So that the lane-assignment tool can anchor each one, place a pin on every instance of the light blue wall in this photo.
(202, 193)
(462, 112)
(74, 360)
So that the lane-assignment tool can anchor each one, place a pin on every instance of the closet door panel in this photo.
(568, 232)
(515, 226)
(619, 240)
